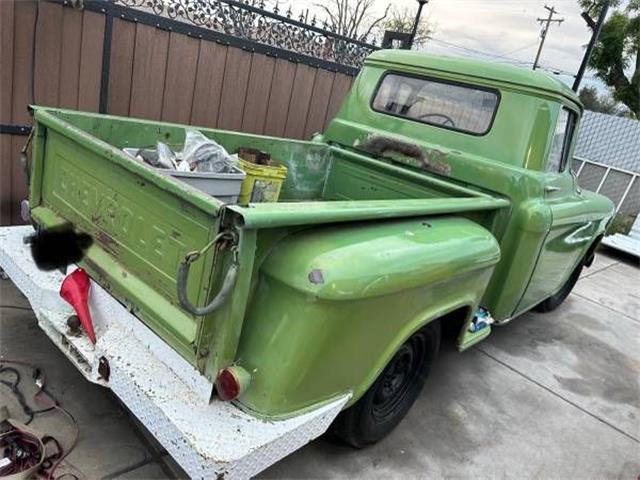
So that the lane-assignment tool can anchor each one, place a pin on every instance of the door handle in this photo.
(550, 189)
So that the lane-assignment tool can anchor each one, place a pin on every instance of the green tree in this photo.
(598, 103)
(616, 55)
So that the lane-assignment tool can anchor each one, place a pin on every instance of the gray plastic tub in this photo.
(224, 186)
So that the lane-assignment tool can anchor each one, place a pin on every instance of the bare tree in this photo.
(402, 19)
(353, 18)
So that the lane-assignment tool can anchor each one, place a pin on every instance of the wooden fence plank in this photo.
(279, 97)
(257, 99)
(180, 78)
(6, 61)
(24, 15)
(121, 66)
(234, 88)
(48, 48)
(208, 87)
(299, 103)
(6, 92)
(6, 193)
(149, 68)
(319, 102)
(19, 189)
(70, 58)
(341, 85)
(91, 61)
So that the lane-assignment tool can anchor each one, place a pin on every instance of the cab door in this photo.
(570, 231)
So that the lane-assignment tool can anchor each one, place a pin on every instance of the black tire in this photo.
(554, 301)
(388, 400)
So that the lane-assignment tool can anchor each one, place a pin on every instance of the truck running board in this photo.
(209, 439)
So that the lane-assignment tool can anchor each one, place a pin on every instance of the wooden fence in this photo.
(147, 71)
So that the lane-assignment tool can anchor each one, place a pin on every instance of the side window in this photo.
(561, 144)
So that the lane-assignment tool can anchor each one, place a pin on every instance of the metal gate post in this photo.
(106, 58)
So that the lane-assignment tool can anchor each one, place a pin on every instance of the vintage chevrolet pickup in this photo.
(442, 192)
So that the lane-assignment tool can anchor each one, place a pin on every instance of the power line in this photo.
(511, 52)
(556, 71)
(480, 52)
(505, 58)
(545, 29)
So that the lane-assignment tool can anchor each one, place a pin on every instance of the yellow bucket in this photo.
(262, 183)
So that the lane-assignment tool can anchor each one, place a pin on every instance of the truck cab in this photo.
(501, 129)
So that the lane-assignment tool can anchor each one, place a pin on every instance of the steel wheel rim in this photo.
(398, 377)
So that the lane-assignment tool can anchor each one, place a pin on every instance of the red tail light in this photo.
(231, 382)
(75, 290)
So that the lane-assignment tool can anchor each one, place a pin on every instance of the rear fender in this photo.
(333, 304)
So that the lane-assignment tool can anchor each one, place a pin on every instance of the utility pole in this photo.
(545, 22)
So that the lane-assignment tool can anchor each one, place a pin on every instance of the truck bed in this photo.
(144, 223)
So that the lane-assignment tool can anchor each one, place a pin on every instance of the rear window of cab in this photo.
(451, 105)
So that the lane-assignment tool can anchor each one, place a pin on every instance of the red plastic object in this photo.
(75, 290)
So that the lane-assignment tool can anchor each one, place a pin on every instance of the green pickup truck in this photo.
(440, 197)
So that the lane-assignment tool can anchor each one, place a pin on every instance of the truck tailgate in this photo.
(142, 224)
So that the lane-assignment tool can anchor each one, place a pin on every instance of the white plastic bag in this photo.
(205, 155)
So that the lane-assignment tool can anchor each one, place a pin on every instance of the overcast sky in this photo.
(502, 27)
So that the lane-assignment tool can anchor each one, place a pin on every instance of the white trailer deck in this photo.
(208, 438)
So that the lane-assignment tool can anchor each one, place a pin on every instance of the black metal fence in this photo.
(251, 21)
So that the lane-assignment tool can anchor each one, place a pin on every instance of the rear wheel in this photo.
(390, 397)
(554, 301)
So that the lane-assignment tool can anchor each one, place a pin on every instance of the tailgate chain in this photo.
(227, 284)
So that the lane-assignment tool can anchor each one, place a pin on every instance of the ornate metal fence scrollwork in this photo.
(251, 21)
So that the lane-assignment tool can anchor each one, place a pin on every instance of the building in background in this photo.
(610, 140)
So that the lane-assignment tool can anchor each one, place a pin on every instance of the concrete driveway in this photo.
(552, 395)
